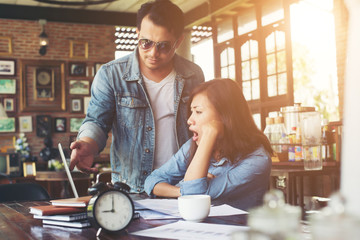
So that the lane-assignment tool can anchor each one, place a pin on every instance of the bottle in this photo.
(325, 140)
(269, 127)
(298, 146)
(291, 148)
(279, 134)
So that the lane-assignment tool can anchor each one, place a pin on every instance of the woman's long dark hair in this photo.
(241, 135)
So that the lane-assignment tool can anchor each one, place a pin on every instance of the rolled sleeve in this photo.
(192, 187)
(91, 130)
(150, 184)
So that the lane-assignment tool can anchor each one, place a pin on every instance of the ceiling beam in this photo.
(203, 13)
(67, 15)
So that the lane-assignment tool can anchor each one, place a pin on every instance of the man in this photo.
(142, 98)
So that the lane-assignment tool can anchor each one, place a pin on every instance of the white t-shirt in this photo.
(162, 102)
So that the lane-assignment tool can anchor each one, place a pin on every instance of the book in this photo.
(76, 224)
(65, 217)
(72, 202)
(54, 210)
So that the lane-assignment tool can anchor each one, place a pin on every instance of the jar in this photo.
(291, 116)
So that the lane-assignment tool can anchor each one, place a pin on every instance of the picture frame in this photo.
(76, 105)
(7, 143)
(29, 102)
(44, 84)
(5, 164)
(7, 125)
(60, 125)
(7, 86)
(75, 124)
(7, 67)
(6, 43)
(15, 163)
(43, 125)
(29, 169)
(79, 87)
(77, 69)
(9, 104)
(79, 49)
(97, 67)
(25, 124)
(86, 103)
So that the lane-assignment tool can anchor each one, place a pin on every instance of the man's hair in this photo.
(163, 13)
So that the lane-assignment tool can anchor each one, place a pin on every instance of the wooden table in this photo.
(17, 223)
(50, 177)
(289, 177)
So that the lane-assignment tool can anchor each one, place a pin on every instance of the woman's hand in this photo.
(213, 129)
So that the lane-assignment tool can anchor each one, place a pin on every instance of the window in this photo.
(276, 64)
(250, 70)
(227, 63)
(257, 57)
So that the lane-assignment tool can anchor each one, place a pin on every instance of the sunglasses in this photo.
(162, 47)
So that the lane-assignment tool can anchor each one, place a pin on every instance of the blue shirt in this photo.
(241, 184)
(119, 102)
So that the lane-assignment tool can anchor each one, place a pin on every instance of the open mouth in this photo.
(195, 137)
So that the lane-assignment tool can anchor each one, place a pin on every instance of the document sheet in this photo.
(190, 230)
(168, 208)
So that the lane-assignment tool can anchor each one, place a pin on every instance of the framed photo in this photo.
(5, 44)
(7, 125)
(75, 124)
(77, 69)
(76, 105)
(25, 124)
(9, 104)
(5, 163)
(15, 164)
(42, 86)
(79, 49)
(29, 169)
(7, 86)
(86, 103)
(43, 125)
(80, 87)
(7, 67)
(97, 66)
(60, 124)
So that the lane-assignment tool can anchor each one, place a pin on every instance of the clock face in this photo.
(113, 210)
(43, 78)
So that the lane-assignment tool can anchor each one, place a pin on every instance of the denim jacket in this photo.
(241, 184)
(119, 103)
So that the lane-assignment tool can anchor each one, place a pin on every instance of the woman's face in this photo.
(203, 113)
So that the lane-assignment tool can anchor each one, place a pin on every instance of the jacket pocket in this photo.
(131, 111)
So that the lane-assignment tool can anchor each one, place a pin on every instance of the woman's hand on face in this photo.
(215, 127)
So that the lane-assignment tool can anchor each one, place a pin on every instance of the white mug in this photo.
(194, 208)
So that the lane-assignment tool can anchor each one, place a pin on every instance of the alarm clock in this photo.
(111, 208)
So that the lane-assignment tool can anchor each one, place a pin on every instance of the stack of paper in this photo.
(168, 208)
(70, 212)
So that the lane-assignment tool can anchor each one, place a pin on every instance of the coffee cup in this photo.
(194, 208)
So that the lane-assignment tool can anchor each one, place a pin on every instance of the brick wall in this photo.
(25, 46)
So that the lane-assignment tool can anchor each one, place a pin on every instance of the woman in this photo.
(228, 157)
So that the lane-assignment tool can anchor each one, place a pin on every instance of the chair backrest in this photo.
(23, 192)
